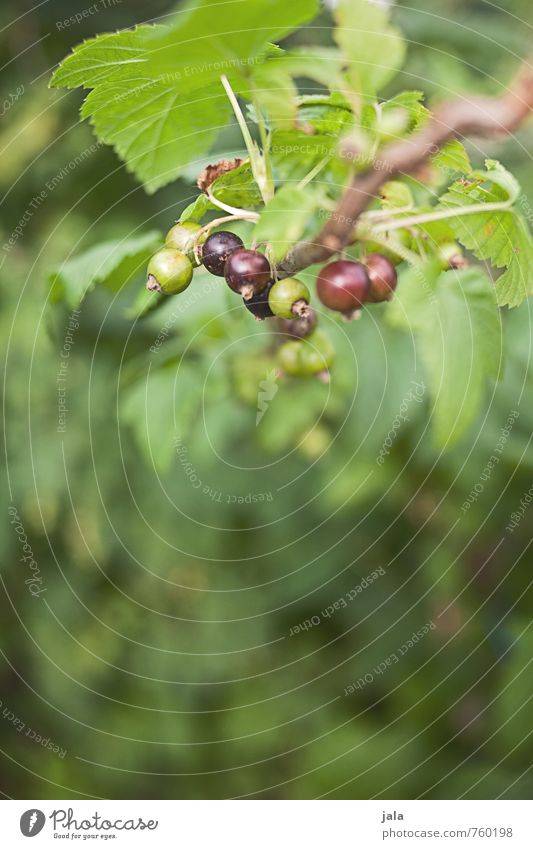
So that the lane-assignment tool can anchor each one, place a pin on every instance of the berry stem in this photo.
(247, 291)
(242, 216)
(377, 214)
(392, 244)
(225, 207)
(301, 308)
(313, 173)
(152, 285)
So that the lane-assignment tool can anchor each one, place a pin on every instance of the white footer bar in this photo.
(267, 824)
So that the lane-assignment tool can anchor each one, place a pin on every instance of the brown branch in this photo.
(482, 116)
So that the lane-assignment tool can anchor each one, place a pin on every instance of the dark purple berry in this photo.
(258, 304)
(383, 278)
(217, 249)
(343, 286)
(248, 272)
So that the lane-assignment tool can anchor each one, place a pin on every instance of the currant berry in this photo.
(314, 355)
(217, 249)
(258, 304)
(289, 358)
(299, 328)
(451, 256)
(182, 238)
(318, 353)
(169, 272)
(343, 286)
(289, 298)
(383, 278)
(247, 272)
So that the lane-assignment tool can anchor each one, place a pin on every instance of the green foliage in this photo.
(458, 336)
(237, 188)
(161, 409)
(500, 236)
(156, 93)
(284, 220)
(274, 87)
(112, 264)
(155, 128)
(157, 97)
(408, 102)
(325, 114)
(372, 48)
(453, 158)
(161, 656)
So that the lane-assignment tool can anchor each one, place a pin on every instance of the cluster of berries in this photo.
(343, 286)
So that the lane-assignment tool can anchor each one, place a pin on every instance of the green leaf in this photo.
(197, 209)
(325, 114)
(110, 263)
(502, 237)
(157, 96)
(201, 43)
(107, 58)
(373, 48)
(276, 94)
(499, 176)
(154, 129)
(274, 87)
(294, 153)
(411, 102)
(208, 39)
(456, 324)
(238, 188)
(285, 218)
(396, 194)
(453, 158)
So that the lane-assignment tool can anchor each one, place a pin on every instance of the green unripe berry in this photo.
(451, 256)
(289, 357)
(318, 353)
(289, 298)
(169, 272)
(181, 237)
(312, 355)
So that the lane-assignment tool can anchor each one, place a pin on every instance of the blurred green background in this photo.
(157, 656)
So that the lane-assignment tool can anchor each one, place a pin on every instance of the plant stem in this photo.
(442, 214)
(225, 207)
(392, 245)
(248, 140)
(312, 174)
(375, 214)
(257, 161)
(265, 142)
